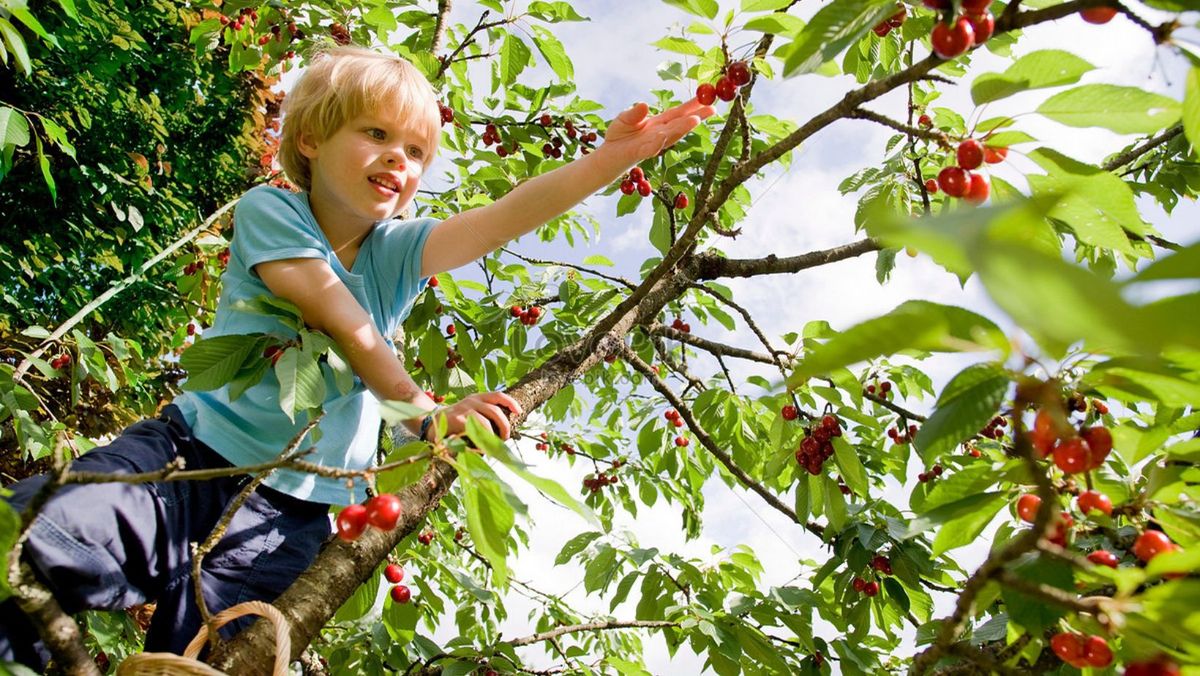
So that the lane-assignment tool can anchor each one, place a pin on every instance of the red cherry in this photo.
(925, 121)
(975, 6)
(978, 192)
(393, 573)
(1099, 442)
(545, 120)
(882, 564)
(936, 4)
(970, 154)
(1159, 666)
(670, 414)
(516, 311)
(954, 181)
(882, 29)
(681, 201)
(1027, 507)
(433, 281)
(677, 421)
(1098, 15)
(975, 453)
(636, 174)
(681, 441)
(931, 186)
(994, 155)
(739, 72)
(1150, 544)
(1096, 652)
(535, 312)
(1068, 646)
(644, 189)
(859, 584)
(983, 24)
(950, 40)
(897, 19)
(450, 330)
(1072, 456)
(726, 88)
(789, 412)
(706, 94)
(871, 588)
(627, 187)
(1103, 557)
(351, 522)
(383, 511)
(1089, 500)
(401, 594)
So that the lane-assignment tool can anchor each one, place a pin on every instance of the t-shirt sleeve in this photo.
(271, 224)
(398, 264)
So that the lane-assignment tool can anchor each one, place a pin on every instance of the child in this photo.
(359, 129)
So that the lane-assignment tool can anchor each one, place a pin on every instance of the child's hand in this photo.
(487, 408)
(638, 137)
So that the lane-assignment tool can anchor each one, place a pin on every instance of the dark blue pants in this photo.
(112, 545)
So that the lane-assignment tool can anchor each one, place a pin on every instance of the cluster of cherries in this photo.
(1159, 666)
(594, 484)
(1072, 454)
(274, 352)
(527, 316)
(340, 34)
(247, 14)
(737, 74)
(636, 181)
(974, 27)
(994, 429)
(672, 417)
(894, 21)
(543, 445)
(394, 574)
(198, 264)
(453, 358)
(60, 361)
(382, 511)
(680, 325)
(884, 389)
(1079, 650)
(961, 180)
(817, 446)
(425, 537)
(1027, 508)
(437, 398)
(880, 564)
(901, 436)
(933, 473)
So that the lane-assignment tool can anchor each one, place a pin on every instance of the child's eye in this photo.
(416, 152)
(376, 133)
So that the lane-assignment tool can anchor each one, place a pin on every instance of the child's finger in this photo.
(635, 114)
(502, 399)
(495, 416)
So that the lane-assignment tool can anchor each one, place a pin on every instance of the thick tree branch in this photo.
(713, 266)
(56, 628)
(439, 26)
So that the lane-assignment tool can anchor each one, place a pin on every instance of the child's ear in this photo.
(307, 145)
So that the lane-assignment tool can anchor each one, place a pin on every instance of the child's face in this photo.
(369, 169)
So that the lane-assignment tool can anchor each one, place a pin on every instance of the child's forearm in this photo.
(379, 368)
(544, 197)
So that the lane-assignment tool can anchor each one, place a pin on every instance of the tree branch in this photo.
(590, 626)
(713, 266)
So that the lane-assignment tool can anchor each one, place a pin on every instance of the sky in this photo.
(794, 211)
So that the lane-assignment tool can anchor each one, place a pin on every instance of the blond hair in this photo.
(342, 83)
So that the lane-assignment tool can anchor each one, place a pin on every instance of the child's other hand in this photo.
(487, 408)
(639, 136)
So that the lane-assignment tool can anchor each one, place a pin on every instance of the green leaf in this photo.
(554, 12)
(949, 512)
(601, 570)
(44, 164)
(916, 325)
(776, 24)
(1059, 303)
(1036, 70)
(679, 46)
(575, 545)
(966, 404)
(850, 466)
(14, 130)
(212, 362)
(301, 385)
(489, 516)
(514, 56)
(1191, 108)
(10, 523)
(554, 54)
(16, 44)
(1182, 264)
(963, 529)
(705, 8)
(764, 5)
(834, 27)
(1125, 110)
(554, 491)
(1034, 614)
(1148, 379)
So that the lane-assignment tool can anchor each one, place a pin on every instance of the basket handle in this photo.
(283, 639)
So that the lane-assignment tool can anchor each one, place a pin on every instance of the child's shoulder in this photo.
(267, 196)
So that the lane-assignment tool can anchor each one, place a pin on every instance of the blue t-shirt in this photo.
(273, 224)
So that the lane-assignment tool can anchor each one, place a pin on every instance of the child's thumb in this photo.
(635, 113)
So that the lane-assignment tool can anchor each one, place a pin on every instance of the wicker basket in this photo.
(169, 664)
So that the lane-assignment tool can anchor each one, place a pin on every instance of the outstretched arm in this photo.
(631, 138)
